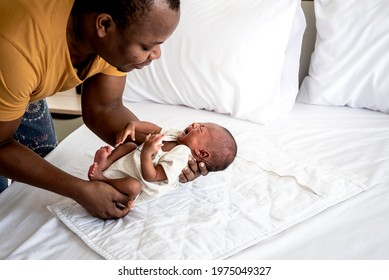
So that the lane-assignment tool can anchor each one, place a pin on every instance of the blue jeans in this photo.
(36, 131)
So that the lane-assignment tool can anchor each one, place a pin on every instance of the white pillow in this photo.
(230, 56)
(350, 64)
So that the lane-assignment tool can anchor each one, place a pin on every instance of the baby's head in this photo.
(210, 143)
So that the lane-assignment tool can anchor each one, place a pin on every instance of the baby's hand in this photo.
(152, 144)
(128, 130)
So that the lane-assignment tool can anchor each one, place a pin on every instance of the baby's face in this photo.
(197, 135)
(203, 140)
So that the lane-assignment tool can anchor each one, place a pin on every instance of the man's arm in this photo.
(19, 163)
(102, 107)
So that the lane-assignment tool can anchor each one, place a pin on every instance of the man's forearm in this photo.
(108, 122)
(102, 107)
(21, 164)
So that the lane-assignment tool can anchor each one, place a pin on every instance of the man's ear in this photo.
(202, 153)
(103, 23)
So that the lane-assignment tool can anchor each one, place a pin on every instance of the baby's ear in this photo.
(202, 153)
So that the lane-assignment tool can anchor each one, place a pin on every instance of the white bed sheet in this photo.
(265, 191)
(354, 140)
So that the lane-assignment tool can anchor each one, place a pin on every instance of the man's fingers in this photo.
(192, 171)
(203, 169)
(188, 175)
(182, 178)
(123, 202)
(192, 164)
(122, 212)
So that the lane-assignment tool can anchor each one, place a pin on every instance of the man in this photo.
(48, 46)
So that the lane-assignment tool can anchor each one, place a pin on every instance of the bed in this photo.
(310, 180)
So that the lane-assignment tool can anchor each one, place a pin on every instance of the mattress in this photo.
(352, 141)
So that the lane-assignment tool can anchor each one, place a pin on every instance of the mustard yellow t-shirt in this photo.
(34, 55)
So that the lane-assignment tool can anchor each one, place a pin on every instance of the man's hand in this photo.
(103, 201)
(192, 171)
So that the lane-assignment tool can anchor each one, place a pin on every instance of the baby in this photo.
(151, 170)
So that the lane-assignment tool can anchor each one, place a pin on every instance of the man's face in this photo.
(139, 45)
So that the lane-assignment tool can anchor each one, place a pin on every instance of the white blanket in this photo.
(265, 191)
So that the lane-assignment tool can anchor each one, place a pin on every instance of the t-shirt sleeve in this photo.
(108, 69)
(112, 71)
(18, 79)
(174, 162)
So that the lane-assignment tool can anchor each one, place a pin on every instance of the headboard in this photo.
(308, 39)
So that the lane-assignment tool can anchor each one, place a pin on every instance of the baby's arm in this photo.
(150, 172)
(139, 128)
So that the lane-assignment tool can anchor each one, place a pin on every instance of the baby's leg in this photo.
(101, 162)
(126, 185)
(102, 157)
(95, 173)
(105, 156)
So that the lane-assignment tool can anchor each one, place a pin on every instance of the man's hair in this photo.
(224, 151)
(123, 12)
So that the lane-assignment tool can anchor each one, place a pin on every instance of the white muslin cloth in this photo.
(265, 191)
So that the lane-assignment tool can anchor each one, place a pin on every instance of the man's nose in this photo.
(155, 53)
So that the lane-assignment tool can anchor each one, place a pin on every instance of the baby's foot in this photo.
(95, 173)
(101, 157)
